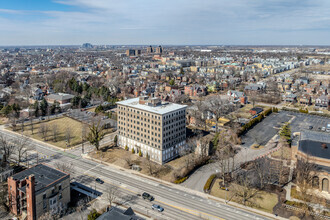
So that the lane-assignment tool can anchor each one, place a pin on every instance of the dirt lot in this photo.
(123, 158)
(62, 125)
(265, 202)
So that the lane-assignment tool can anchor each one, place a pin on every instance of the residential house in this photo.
(323, 101)
(195, 90)
(238, 96)
(305, 99)
(291, 98)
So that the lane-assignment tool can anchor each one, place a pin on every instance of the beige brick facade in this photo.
(157, 129)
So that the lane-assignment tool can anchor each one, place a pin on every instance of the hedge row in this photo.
(254, 121)
(306, 112)
(208, 183)
(295, 204)
(181, 180)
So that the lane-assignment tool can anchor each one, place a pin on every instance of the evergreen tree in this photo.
(43, 107)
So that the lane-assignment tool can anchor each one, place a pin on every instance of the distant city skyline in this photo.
(181, 22)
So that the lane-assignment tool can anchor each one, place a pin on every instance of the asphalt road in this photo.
(177, 202)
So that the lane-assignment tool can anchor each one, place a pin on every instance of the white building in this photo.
(155, 128)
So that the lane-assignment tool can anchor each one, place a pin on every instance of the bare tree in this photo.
(55, 132)
(68, 135)
(128, 160)
(111, 194)
(6, 148)
(43, 129)
(219, 107)
(3, 195)
(150, 165)
(22, 120)
(187, 150)
(243, 190)
(96, 134)
(31, 124)
(21, 147)
(304, 173)
(65, 167)
(261, 168)
(226, 154)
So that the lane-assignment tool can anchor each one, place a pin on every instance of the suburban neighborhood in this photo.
(157, 132)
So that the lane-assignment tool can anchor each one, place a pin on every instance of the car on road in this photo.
(147, 196)
(99, 180)
(157, 207)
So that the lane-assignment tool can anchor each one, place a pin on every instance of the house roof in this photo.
(118, 214)
(60, 96)
(44, 176)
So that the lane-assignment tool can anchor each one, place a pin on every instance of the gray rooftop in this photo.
(60, 96)
(316, 144)
(160, 109)
(118, 214)
(44, 176)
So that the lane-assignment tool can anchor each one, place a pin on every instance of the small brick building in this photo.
(38, 190)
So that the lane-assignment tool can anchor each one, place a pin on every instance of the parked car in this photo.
(147, 196)
(157, 207)
(323, 129)
(310, 127)
(99, 180)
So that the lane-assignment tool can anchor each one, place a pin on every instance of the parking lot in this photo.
(303, 121)
(269, 127)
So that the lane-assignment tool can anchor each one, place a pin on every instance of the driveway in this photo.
(198, 179)
(266, 134)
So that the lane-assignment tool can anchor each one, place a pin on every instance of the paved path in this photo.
(198, 179)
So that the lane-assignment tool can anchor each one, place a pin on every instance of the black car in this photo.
(310, 127)
(147, 196)
(99, 180)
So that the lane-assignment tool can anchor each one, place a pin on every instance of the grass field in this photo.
(120, 157)
(63, 124)
(244, 111)
(265, 202)
(283, 151)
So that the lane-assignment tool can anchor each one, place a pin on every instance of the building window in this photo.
(60, 196)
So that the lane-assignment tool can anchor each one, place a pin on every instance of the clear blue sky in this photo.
(243, 22)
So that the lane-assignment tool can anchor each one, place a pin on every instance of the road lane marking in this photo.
(91, 168)
(190, 211)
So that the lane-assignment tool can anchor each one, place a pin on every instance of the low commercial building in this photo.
(315, 147)
(61, 98)
(156, 128)
(38, 190)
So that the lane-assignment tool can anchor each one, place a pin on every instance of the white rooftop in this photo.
(160, 109)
